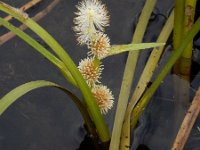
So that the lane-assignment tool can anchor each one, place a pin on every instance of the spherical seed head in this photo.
(91, 16)
(91, 72)
(99, 45)
(104, 97)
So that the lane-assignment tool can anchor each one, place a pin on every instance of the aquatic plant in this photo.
(91, 19)
(88, 107)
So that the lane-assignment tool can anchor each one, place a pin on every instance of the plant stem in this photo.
(176, 54)
(179, 13)
(185, 60)
(128, 74)
(190, 6)
(89, 99)
(151, 64)
(178, 22)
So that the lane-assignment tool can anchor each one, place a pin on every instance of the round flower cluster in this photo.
(103, 97)
(99, 45)
(91, 72)
(91, 19)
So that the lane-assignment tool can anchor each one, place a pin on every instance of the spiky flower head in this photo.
(92, 15)
(99, 45)
(90, 70)
(104, 97)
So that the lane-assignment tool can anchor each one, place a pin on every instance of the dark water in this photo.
(46, 119)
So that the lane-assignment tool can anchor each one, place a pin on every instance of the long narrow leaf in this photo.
(116, 49)
(128, 78)
(59, 64)
(89, 99)
(147, 73)
(151, 63)
(176, 54)
(21, 90)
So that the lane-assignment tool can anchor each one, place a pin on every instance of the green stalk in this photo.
(85, 90)
(178, 22)
(152, 63)
(179, 13)
(176, 54)
(59, 64)
(128, 75)
(185, 60)
(183, 69)
(190, 6)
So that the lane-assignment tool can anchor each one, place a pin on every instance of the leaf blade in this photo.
(37, 46)
(23, 89)
(89, 99)
(117, 49)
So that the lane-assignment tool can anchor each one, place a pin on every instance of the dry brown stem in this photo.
(4, 38)
(187, 123)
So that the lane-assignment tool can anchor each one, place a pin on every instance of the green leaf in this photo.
(88, 98)
(21, 90)
(128, 76)
(146, 76)
(139, 108)
(57, 62)
(116, 49)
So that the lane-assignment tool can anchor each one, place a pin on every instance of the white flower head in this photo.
(99, 45)
(90, 71)
(92, 15)
(104, 97)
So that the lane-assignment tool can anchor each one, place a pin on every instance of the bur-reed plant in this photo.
(91, 19)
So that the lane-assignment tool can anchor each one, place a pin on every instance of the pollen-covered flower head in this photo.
(104, 97)
(91, 16)
(91, 70)
(99, 45)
